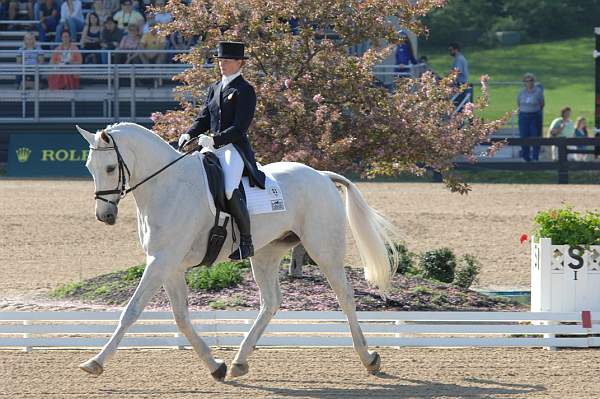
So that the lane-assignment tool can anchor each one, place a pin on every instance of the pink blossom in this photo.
(317, 98)
(288, 83)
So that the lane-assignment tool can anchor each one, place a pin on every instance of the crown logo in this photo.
(23, 154)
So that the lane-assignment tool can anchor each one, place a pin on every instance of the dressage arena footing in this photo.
(307, 373)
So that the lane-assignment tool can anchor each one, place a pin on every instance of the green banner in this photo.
(47, 155)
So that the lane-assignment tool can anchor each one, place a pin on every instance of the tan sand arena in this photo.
(49, 236)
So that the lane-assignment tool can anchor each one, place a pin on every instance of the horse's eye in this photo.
(110, 169)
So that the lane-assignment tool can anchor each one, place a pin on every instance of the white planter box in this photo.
(563, 278)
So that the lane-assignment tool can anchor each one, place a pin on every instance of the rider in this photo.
(227, 113)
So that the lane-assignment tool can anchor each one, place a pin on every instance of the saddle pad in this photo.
(259, 201)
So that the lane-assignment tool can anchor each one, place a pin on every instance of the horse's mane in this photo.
(122, 128)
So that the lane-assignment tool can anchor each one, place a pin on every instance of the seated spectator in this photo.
(90, 38)
(112, 5)
(581, 131)
(163, 17)
(32, 55)
(176, 41)
(131, 41)
(128, 16)
(48, 11)
(65, 54)
(153, 41)
(561, 127)
(101, 11)
(110, 38)
(16, 6)
(404, 54)
(4, 5)
(71, 15)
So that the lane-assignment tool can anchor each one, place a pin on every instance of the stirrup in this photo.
(245, 250)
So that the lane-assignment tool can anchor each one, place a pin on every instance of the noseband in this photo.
(121, 188)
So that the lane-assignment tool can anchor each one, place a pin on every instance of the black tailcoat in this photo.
(228, 115)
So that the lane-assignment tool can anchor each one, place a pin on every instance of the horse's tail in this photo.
(372, 233)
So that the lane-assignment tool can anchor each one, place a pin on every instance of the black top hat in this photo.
(231, 50)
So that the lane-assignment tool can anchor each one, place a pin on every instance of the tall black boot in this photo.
(239, 212)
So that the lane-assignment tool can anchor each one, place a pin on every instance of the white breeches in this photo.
(233, 167)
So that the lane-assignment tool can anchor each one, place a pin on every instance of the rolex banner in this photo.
(47, 155)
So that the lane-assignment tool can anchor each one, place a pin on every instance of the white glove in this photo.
(182, 139)
(206, 141)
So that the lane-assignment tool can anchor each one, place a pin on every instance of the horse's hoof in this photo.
(375, 365)
(238, 369)
(220, 373)
(92, 367)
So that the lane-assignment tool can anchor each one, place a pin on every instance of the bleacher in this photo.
(107, 93)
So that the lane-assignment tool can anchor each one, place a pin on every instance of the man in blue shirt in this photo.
(460, 64)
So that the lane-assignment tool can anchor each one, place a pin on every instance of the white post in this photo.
(26, 349)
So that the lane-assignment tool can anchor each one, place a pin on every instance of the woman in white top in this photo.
(531, 104)
(71, 16)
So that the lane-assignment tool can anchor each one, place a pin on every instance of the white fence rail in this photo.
(227, 328)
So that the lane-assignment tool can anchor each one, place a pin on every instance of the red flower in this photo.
(523, 238)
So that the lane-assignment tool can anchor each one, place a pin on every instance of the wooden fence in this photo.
(562, 165)
(291, 329)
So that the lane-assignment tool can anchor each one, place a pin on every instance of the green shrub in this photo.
(466, 272)
(568, 227)
(216, 277)
(437, 264)
(405, 258)
(67, 290)
(135, 272)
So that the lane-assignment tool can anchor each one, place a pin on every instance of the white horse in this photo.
(174, 219)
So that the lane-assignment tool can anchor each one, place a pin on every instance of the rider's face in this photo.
(229, 66)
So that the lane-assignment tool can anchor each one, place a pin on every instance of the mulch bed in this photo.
(312, 292)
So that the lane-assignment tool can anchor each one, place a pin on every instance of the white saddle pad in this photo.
(259, 201)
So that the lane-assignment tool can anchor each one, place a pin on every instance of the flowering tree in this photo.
(316, 103)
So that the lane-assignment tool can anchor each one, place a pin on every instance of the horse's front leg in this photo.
(153, 278)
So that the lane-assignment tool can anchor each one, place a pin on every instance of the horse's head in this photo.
(110, 172)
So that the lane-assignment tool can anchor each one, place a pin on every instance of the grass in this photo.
(565, 68)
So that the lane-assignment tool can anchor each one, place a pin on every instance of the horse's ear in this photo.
(89, 137)
(104, 137)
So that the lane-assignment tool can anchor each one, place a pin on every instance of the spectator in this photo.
(65, 54)
(90, 38)
(561, 127)
(530, 102)
(163, 17)
(4, 6)
(128, 16)
(71, 15)
(581, 131)
(48, 17)
(31, 55)
(153, 41)
(131, 41)
(461, 66)
(111, 5)
(101, 11)
(110, 38)
(15, 7)
(405, 55)
(176, 41)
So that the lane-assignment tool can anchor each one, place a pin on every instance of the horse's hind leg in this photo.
(331, 262)
(177, 291)
(265, 268)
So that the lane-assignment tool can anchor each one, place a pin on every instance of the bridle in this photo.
(121, 188)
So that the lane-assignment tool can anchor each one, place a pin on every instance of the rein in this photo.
(121, 188)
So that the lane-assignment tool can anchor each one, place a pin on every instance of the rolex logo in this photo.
(23, 154)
